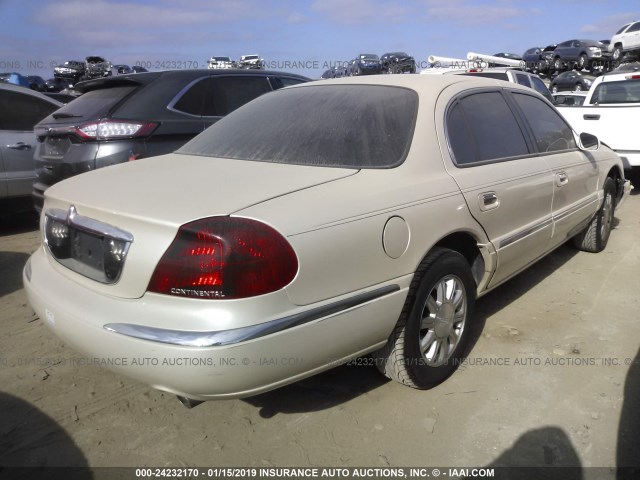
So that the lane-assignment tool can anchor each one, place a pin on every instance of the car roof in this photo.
(27, 91)
(145, 78)
(427, 86)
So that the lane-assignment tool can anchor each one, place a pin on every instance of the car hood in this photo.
(176, 189)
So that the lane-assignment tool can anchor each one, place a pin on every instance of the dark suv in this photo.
(581, 54)
(126, 117)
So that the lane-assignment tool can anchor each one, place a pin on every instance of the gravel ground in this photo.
(553, 380)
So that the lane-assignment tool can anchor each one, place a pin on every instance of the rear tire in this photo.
(429, 340)
(557, 65)
(595, 236)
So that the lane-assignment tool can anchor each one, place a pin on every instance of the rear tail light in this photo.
(114, 129)
(225, 257)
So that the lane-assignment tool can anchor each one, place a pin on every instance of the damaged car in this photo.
(96, 67)
(71, 70)
(317, 224)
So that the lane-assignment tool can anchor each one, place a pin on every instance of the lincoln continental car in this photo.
(317, 224)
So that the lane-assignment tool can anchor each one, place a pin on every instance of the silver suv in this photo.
(20, 110)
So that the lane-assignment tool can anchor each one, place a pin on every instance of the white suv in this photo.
(508, 74)
(625, 40)
(218, 63)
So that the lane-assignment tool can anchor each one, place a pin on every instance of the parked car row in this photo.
(163, 110)
(371, 64)
(76, 71)
(249, 62)
(583, 54)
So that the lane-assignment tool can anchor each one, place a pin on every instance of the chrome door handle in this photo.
(488, 201)
(20, 146)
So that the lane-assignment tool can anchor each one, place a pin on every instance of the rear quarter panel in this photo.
(336, 229)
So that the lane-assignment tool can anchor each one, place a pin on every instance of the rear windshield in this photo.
(625, 91)
(94, 104)
(361, 126)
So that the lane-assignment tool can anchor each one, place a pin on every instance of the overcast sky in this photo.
(306, 36)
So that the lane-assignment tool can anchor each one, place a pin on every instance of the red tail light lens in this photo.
(225, 258)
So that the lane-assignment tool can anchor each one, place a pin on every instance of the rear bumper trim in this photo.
(237, 335)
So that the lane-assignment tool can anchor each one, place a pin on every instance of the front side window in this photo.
(551, 132)
(634, 28)
(492, 129)
(621, 30)
(351, 126)
(540, 87)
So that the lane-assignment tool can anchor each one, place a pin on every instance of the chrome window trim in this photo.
(243, 334)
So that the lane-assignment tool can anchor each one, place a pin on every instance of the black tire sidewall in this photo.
(423, 375)
(609, 189)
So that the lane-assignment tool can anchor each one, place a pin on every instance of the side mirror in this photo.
(589, 142)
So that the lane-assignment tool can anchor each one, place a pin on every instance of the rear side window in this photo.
(491, 128)
(94, 104)
(523, 79)
(226, 94)
(217, 96)
(191, 101)
(462, 144)
(22, 112)
(281, 82)
(625, 91)
(354, 126)
(551, 132)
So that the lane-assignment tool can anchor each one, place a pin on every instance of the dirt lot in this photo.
(550, 381)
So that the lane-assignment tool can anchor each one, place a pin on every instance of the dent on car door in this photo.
(575, 173)
(508, 191)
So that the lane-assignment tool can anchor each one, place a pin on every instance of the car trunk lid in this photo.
(151, 198)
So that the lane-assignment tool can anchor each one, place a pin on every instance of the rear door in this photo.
(19, 113)
(575, 174)
(507, 188)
